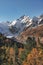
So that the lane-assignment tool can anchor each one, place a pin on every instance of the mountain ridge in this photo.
(16, 27)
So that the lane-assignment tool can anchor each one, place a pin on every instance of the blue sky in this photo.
(13, 9)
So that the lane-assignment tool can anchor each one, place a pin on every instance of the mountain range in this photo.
(22, 27)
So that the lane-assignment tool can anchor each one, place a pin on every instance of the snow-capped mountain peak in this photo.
(21, 23)
(15, 27)
(13, 23)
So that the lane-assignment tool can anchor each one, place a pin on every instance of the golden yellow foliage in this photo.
(34, 58)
